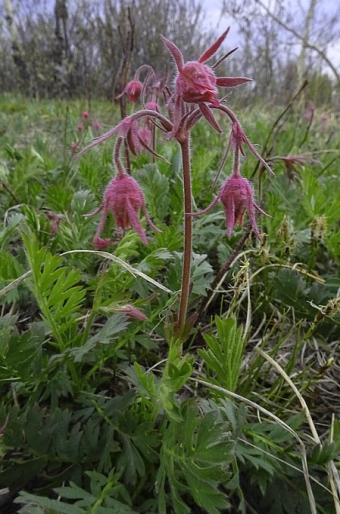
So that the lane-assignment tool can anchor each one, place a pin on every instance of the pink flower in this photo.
(85, 115)
(236, 196)
(197, 83)
(80, 127)
(124, 199)
(74, 147)
(96, 125)
(132, 312)
(152, 106)
(55, 221)
(133, 91)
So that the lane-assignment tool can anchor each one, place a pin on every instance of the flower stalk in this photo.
(187, 251)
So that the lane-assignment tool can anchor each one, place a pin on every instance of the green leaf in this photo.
(156, 190)
(106, 335)
(13, 221)
(56, 288)
(224, 354)
(17, 472)
(56, 506)
(130, 462)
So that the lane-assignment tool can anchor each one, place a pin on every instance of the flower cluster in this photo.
(195, 95)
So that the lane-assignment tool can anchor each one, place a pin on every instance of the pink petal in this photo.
(261, 211)
(145, 212)
(207, 209)
(231, 81)
(175, 52)
(213, 49)
(135, 223)
(230, 215)
(253, 219)
(98, 241)
(209, 116)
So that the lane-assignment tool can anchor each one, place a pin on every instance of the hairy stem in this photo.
(183, 307)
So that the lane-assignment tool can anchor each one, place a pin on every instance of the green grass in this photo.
(104, 413)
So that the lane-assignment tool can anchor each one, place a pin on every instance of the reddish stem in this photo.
(187, 251)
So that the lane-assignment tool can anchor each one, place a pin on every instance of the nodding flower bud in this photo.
(152, 106)
(237, 196)
(124, 199)
(132, 312)
(55, 220)
(133, 91)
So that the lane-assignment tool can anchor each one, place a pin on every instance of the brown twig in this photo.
(4, 186)
(265, 151)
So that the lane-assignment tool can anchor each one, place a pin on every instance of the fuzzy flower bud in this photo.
(237, 196)
(55, 220)
(152, 106)
(132, 312)
(124, 199)
(133, 91)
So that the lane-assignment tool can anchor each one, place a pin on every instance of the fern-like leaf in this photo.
(56, 289)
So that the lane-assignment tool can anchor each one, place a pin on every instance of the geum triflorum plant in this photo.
(194, 95)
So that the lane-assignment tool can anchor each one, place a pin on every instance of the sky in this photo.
(212, 9)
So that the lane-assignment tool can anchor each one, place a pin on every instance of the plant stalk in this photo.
(187, 251)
